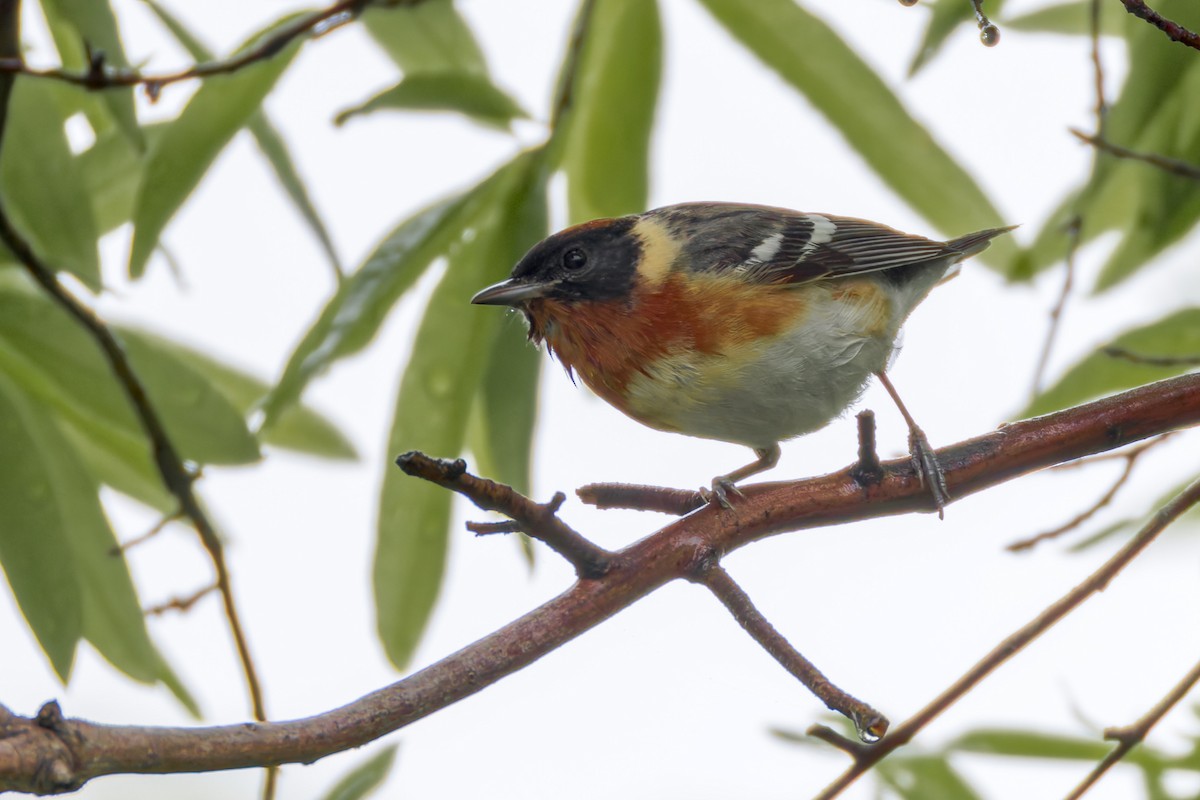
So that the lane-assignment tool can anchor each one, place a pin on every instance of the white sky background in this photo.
(669, 699)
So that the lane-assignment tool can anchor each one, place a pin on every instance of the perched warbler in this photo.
(741, 323)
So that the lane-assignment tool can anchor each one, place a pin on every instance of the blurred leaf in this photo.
(189, 145)
(118, 460)
(810, 56)
(1154, 113)
(470, 94)
(1029, 744)
(54, 359)
(606, 131)
(299, 428)
(427, 37)
(363, 780)
(111, 170)
(435, 400)
(1072, 17)
(1100, 373)
(923, 778)
(508, 407)
(353, 316)
(945, 17)
(269, 141)
(43, 189)
(34, 549)
(76, 22)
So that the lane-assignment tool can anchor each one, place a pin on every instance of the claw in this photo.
(929, 471)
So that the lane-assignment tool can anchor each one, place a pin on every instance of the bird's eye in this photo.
(574, 258)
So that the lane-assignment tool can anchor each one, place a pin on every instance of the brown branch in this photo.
(1096, 582)
(537, 520)
(34, 759)
(1130, 459)
(642, 498)
(1098, 69)
(869, 723)
(1174, 31)
(181, 603)
(1183, 169)
(1131, 736)
(155, 530)
(101, 76)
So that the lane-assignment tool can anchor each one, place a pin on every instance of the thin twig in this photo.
(101, 76)
(1098, 70)
(181, 603)
(867, 470)
(1151, 361)
(1096, 582)
(989, 34)
(641, 498)
(1056, 313)
(36, 760)
(1130, 459)
(1174, 31)
(1131, 736)
(155, 530)
(1183, 169)
(869, 723)
(538, 520)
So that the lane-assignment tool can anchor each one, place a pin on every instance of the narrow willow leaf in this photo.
(433, 407)
(34, 545)
(611, 117)
(112, 171)
(924, 777)
(119, 461)
(810, 56)
(1031, 744)
(299, 428)
(1072, 17)
(44, 192)
(363, 780)
(269, 141)
(469, 94)
(1100, 373)
(355, 313)
(427, 37)
(189, 145)
(112, 616)
(57, 361)
(75, 22)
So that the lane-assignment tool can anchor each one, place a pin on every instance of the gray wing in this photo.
(776, 245)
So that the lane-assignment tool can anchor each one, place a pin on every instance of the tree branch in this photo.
(101, 76)
(66, 755)
(1174, 31)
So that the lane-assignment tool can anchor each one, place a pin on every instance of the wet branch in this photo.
(1174, 31)
(68, 753)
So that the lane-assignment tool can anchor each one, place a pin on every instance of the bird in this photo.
(742, 323)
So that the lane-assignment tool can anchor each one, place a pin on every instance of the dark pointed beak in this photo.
(511, 292)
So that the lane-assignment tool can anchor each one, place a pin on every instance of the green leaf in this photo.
(75, 22)
(353, 316)
(1100, 373)
(364, 779)
(43, 190)
(119, 460)
(810, 56)
(111, 170)
(34, 549)
(924, 777)
(1030, 744)
(427, 37)
(1073, 18)
(507, 407)
(469, 94)
(62, 365)
(945, 18)
(606, 140)
(434, 403)
(299, 428)
(189, 145)
(269, 141)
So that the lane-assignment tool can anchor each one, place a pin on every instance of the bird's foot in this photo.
(929, 470)
(720, 492)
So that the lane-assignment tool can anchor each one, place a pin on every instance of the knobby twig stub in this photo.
(1174, 31)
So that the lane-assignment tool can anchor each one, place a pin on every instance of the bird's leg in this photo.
(722, 485)
(929, 471)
